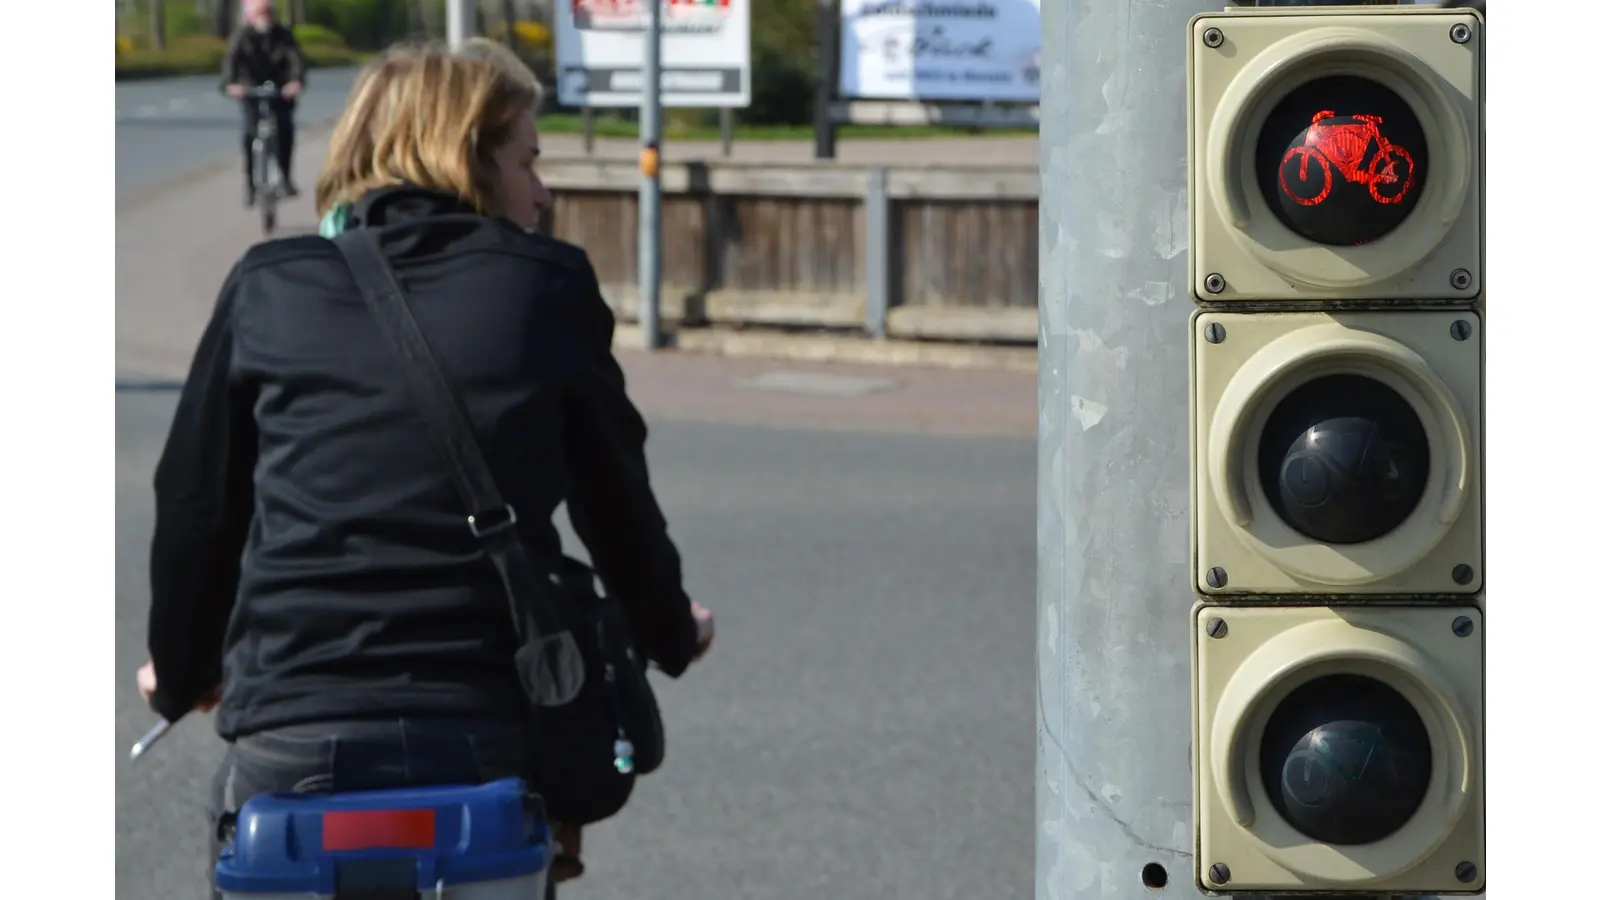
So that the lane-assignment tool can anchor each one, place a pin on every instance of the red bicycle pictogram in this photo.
(1388, 176)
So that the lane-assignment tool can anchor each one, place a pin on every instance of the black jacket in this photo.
(254, 58)
(309, 543)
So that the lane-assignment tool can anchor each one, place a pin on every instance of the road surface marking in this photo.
(816, 383)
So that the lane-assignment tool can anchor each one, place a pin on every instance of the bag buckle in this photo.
(486, 524)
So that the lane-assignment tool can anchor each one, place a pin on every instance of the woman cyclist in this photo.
(311, 578)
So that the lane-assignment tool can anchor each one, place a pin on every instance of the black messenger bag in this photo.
(597, 725)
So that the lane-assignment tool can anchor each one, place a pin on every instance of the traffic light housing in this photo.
(1389, 799)
(1260, 379)
(1337, 154)
(1336, 422)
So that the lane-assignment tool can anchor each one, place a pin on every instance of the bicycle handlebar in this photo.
(149, 739)
(266, 91)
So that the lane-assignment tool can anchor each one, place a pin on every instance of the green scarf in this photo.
(335, 222)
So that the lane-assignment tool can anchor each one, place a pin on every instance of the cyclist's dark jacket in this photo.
(309, 541)
(255, 57)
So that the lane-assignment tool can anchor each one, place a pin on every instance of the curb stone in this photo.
(835, 348)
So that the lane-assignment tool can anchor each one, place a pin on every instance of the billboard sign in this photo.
(932, 50)
(705, 52)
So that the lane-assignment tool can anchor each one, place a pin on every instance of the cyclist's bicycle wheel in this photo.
(266, 184)
(269, 212)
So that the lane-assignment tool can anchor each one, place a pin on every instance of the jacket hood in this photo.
(391, 206)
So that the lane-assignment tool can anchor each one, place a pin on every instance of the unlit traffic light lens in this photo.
(1344, 459)
(1345, 759)
(1342, 160)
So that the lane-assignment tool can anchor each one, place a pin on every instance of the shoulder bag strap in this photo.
(558, 672)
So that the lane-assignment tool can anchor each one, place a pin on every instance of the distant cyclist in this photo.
(264, 50)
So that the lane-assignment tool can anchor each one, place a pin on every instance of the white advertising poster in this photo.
(705, 52)
(930, 50)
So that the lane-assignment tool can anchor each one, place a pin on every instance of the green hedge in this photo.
(313, 35)
(193, 56)
(366, 24)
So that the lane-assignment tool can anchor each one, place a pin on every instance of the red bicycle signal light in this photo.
(1341, 160)
(1388, 173)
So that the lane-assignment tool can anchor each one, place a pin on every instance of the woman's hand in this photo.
(147, 681)
(568, 863)
(705, 628)
(147, 686)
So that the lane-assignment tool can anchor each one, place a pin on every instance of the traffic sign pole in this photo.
(461, 22)
(650, 183)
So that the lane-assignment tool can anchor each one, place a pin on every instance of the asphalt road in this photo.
(864, 727)
(171, 126)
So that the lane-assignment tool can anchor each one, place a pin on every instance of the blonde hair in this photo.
(424, 115)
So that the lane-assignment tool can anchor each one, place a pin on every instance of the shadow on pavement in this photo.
(180, 123)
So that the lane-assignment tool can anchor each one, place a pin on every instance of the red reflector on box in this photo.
(383, 829)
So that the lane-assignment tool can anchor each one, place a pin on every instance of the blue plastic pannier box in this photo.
(484, 842)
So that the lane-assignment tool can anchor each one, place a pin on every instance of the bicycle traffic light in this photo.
(1336, 154)
(1336, 190)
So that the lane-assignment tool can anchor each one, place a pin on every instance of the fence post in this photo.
(880, 260)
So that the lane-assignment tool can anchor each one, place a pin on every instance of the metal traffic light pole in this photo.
(1113, 782)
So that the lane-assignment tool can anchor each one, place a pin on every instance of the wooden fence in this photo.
(930, 253)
